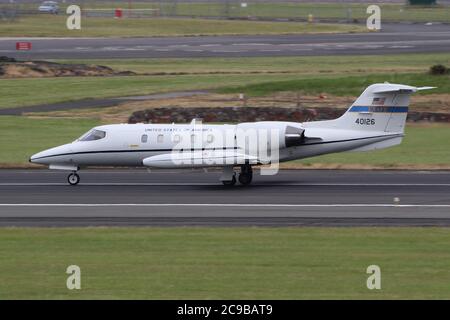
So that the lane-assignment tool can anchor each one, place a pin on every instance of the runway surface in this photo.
(394, 38)
(184, 198)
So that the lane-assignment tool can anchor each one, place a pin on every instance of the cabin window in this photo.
(176, 138)
(144, 138)
(93, 135)
(160, 138)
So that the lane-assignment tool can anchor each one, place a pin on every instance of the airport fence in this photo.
(333, 11)
(337, 11)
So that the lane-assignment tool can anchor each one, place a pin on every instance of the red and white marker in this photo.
(23, 45)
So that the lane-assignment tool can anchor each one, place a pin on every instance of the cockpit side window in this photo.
(93, 135)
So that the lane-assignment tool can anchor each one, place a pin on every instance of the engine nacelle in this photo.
(276, 134)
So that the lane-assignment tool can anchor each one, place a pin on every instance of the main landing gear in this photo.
(245, 176)
(73, 178)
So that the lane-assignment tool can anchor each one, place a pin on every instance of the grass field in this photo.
(55, 26)
(21, 137)
(309, 65)
(23, 92)
(256, 76)
(342, 86)
(433, 151)
(225, 263)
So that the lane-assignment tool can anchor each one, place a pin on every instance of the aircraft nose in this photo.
(38, 157)
(50, 155)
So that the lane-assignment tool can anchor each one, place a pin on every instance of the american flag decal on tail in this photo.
(378, 101)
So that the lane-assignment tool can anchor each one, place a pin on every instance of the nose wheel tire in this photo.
(231, 182)
(73, 179)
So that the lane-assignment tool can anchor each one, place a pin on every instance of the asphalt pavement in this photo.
(186, 198)
(394, 38)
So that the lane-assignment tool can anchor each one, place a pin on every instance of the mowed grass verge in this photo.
(33, 91)
(254, 76)
(24, 92)
(225, 263)
(344, 86)
(304, 65)
(20, 137)
(424, 145)
(55, 26)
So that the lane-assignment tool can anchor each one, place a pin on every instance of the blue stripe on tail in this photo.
(378, 109)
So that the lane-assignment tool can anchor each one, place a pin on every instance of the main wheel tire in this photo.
(245, 178)
(231, 182)
(73, 179)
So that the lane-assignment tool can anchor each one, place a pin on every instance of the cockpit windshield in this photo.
(93, 135)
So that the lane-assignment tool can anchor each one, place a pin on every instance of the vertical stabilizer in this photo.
(381, 107)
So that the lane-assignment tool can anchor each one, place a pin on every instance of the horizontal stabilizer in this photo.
(399, 88)
(425, 88)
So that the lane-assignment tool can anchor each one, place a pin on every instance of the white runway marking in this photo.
(251, 44)
(31, 184)
(253, 205)
(228, 51)
(290, 44)
(401, 47)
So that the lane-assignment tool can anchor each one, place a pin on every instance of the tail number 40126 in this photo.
(365, 121)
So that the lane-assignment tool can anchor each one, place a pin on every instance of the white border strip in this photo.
(24, 184)
(262, 205)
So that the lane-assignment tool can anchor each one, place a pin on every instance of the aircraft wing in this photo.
(199, 159)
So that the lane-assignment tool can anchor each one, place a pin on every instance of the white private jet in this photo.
(376, 120)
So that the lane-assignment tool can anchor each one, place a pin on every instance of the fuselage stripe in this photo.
(224, 148)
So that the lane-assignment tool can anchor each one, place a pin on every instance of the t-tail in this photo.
(381, 107)
(376, 120)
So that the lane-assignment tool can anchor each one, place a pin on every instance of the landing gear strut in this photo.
(231, 182)
(73, 179)
(228, 177)
(246, 175)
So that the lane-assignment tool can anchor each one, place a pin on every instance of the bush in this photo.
(422, 2)
(439, 69)
(6, 59)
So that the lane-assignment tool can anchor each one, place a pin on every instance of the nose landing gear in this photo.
(73, 179)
